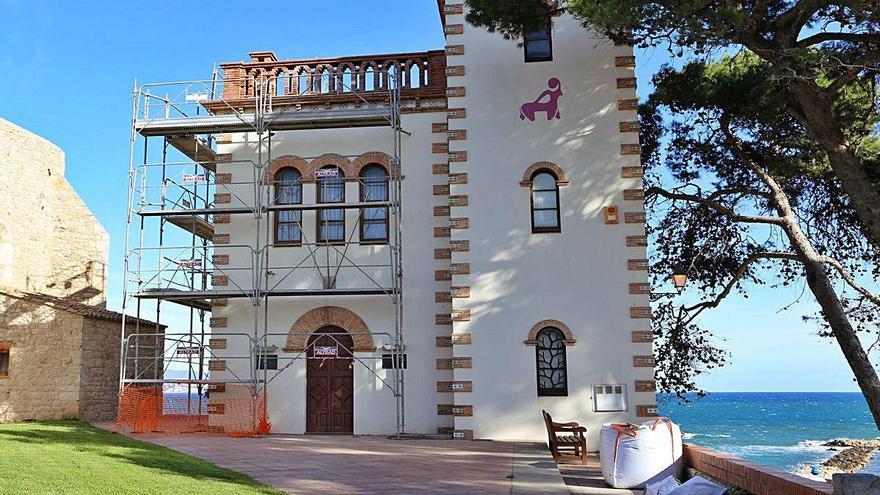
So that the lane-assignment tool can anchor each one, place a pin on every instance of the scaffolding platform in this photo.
(196, 149)
(279, 121)
(194, 225)
(194, 296)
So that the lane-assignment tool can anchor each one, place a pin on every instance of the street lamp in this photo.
(679, 281)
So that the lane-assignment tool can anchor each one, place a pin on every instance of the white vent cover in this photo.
(609, 398)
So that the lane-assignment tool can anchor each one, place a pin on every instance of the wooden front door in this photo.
(330, 384)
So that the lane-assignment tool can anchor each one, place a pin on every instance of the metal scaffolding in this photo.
(170, 253)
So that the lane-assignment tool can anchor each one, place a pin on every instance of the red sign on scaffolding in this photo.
(193, 263)
(194, 178)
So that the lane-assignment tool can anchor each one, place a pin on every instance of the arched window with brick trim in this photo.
(545, 202)
(374, 187)
(331, 189)
(288, 191)
(550, 362)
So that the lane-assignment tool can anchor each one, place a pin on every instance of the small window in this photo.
(374, 187)
(4, 360)
(545, 203)
(389, 361)
(267, 361)
(288, 191)
(331, 189)
(538, 45)
(550, 361)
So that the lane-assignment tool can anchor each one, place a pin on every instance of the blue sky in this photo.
(67, 69)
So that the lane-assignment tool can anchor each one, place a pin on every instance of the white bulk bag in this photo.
(635, 455)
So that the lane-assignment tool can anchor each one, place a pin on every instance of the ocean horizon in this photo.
(780, 429)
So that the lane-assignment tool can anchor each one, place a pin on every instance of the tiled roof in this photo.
(85, 310)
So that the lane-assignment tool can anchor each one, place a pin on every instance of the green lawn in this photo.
(73, 457)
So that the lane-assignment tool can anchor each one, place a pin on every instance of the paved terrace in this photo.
(324, 464)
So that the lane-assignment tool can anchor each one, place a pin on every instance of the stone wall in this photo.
(44, 361)
(99, 373)
(49, 241)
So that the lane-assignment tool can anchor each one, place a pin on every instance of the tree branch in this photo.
(850, 75)
(849, 280)
(868, 38)
(724, 210)
(790, 23)
(740, 271)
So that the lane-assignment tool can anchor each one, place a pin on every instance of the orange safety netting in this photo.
(156, 408)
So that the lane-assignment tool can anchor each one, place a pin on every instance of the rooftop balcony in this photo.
(294, 94)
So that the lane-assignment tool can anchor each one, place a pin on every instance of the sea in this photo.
(783, 430)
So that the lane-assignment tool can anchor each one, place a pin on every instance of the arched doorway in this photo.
(330, 382)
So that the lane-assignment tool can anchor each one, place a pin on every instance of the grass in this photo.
(73, 457)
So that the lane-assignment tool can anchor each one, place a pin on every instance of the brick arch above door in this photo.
(324, 316)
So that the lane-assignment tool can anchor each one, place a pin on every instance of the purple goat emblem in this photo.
(545, 102)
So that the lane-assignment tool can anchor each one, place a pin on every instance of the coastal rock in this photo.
(853, 458)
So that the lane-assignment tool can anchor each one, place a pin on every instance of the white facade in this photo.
(590, 277)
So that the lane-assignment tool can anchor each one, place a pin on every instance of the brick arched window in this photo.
(288, 191)
(374, 187)
(545, 202)
(550, 362)
(331, 189)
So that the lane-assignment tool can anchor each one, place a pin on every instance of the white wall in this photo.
(374, 406)
(578, 276)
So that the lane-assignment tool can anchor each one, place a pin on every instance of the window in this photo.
(538, 45)
(4, 360)
(545, 203)
(550, 360)
(390, 361)
(288, 191)
(267, 361)
(374, 187)
(331, 189)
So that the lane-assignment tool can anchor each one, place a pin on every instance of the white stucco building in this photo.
(512, 189)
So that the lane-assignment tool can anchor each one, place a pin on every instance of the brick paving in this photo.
(340, 464)
(319, 464)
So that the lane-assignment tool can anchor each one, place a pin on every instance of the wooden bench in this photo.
(567, 447)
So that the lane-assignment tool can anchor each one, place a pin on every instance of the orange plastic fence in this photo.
(164, 409)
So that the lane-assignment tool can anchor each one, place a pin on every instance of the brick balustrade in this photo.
(750, 476)
(332, 80)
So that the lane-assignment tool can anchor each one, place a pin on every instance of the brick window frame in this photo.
(533, 189)
(363, 190)
(338, 182)
(297, 215)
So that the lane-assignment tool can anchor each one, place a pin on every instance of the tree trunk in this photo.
(816, 115)
(847, 339)
(823, 290)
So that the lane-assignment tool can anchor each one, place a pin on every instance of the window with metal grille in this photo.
(288, 191)
(331, 189)
(538, 45)
(374, 187)
(550, 362)
(545, 203)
